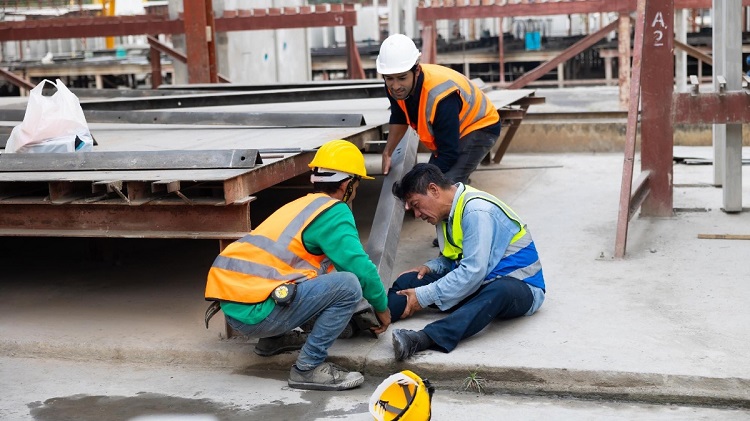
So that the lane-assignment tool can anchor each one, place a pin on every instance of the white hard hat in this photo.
(398, 54)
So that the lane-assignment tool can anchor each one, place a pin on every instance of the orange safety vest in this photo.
(249, 269)
(477, 110)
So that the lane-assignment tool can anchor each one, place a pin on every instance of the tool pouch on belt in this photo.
(212, 309)
(284, 294)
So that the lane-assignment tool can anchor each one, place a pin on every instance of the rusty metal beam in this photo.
(429, 43)
(157, 24)
(249, 183)
(542, 8)
(353, 61)
(524, 9)
(564, 56)
(147, 221)
(641, 191)
(623, 215)
(199, 37)
(154, 57)
(657, 133)
(711, 108)
(157, 45)
(694, 52)
(271, 174)
(515, 123)
(305, 18)
(89, 27)
(16, 80)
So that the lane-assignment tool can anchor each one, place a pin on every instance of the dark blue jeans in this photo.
(472, 148)
(503, 298)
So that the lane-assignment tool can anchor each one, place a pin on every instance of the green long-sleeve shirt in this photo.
(334, 234)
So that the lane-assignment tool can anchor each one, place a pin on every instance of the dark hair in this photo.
(417, 180)
(327, 187)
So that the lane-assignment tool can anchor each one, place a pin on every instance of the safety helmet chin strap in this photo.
(350, 188)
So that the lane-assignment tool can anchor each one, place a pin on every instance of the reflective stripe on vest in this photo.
(249, 269)
(477, 111)
(453, 244)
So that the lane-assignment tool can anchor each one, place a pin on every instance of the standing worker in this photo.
(488, 266)
(453, 117)
(282, 275)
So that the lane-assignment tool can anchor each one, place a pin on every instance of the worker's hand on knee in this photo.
(412, 304)
(385, 321)
(421, 271)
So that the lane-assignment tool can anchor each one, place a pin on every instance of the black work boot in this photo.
(407, 342)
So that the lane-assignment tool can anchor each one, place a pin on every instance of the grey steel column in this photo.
(727, 47)
(680, 34)
(382, 243)
(719, 56)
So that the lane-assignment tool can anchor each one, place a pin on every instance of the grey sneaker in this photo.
(289, 341)
(326, 376)
(405, 343)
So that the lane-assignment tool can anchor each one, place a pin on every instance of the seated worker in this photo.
(488, 267)
(452, 116)
(299, 246)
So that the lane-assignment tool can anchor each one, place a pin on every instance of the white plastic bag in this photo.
(51, 124)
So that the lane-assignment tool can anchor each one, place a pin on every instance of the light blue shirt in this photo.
(487, 233)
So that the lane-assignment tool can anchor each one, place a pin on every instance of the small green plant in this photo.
(474, 382)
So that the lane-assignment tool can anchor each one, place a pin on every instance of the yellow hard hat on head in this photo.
(403, 396)
(340, 155)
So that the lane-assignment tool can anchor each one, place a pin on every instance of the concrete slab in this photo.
(668, 323)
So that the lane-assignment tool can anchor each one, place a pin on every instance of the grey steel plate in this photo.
(134, 160)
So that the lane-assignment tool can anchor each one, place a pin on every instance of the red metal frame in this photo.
(198, 15)
(500, 8)
(657, 84)
(16, 80)
(103, 26)
(199, 41)
(625, 213)
(653, 61)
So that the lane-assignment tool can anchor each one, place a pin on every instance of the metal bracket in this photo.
(694, 85)
(722, 81)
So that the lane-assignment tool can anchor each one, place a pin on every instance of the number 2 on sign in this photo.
(658, 33)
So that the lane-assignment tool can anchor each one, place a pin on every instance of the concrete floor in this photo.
(667, 324)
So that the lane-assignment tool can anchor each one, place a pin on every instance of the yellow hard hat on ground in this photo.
(340, 155)
(403, 396)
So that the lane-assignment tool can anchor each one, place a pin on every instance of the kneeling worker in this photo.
(282, 275)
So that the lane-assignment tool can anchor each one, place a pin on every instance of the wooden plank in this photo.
(724, 236)
(134, 160)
